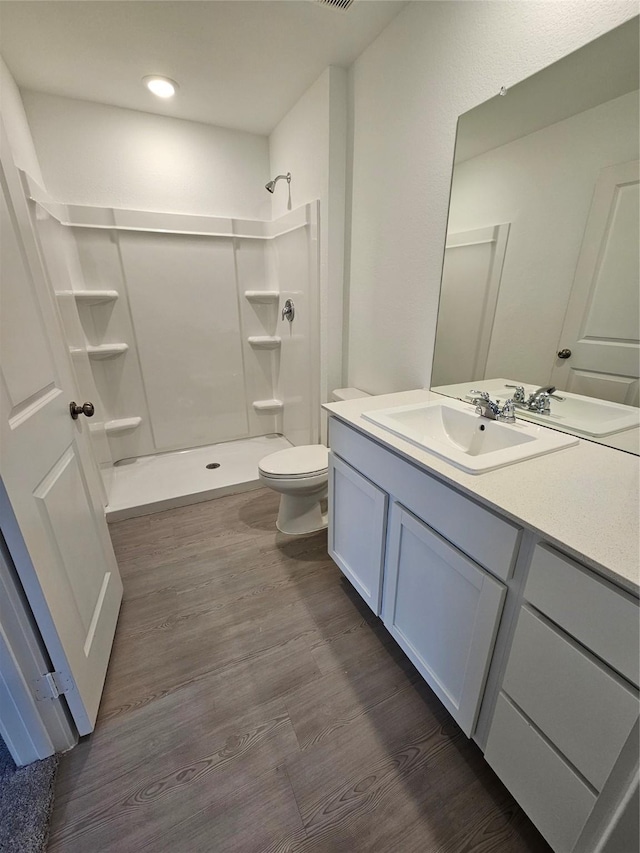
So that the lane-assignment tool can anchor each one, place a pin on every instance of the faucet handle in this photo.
(518, 397)
(481, 395)
(543, 404)
(507, 413)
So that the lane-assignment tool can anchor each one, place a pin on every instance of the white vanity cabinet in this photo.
(443, 610)
(416, 551)
(558, 700)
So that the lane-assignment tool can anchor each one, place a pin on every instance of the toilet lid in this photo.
(296, 461)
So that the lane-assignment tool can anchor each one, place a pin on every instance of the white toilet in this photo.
(300, 475)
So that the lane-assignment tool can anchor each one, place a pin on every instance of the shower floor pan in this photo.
(150, 484)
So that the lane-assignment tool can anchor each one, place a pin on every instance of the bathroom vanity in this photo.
(515, 594)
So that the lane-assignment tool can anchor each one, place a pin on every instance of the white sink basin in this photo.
(453, 431)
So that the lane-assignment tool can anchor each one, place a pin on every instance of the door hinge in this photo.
(53, 684)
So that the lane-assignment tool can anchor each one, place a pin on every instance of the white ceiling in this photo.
(239, 63)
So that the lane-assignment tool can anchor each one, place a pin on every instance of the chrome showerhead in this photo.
(270, 187)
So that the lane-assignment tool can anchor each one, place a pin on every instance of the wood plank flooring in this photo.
(254, 704)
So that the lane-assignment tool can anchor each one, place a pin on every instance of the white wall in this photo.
(16, 125)
(435, 61)
(543, 185)
(299, 144)
(310, 142)
(94, 154)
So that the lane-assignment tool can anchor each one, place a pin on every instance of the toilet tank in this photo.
(347, 394)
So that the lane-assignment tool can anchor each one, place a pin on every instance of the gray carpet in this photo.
(26, 800)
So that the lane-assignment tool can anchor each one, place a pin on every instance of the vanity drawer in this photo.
(489, 540)
(550, 792)
(602, 617)
(584, 709)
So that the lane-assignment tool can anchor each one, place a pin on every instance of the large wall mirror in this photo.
(540, 284)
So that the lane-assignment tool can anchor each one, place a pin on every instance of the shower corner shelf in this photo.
(106, 351)
(94, 297)
(262, 295)
(122, 425)
(264, 341)
(268, 406)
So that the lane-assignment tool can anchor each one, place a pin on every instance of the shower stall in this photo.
(175, 327)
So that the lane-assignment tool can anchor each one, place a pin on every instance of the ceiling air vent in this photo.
(343, 5)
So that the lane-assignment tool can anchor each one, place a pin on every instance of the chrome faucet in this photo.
(549, 390)
(487, 408)
(538, 401)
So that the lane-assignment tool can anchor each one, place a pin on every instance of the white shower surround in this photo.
(187, 358)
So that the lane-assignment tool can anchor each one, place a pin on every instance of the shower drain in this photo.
(213, 465)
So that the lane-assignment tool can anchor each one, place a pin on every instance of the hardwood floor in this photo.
(253, 703)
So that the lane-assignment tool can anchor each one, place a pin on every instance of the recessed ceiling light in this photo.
(163, 87)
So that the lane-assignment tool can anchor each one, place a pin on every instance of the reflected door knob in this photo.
(86, 409)
(564, 353)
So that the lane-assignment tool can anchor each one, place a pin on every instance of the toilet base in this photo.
(300, 514)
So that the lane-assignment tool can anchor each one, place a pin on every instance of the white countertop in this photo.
(584, 499)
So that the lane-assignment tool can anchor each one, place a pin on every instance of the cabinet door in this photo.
(443, 610)
(357, 524)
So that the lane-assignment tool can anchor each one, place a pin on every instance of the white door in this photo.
(68, 568)
(602, 326)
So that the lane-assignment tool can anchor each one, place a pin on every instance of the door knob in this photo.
(564, 353)
(85, 409)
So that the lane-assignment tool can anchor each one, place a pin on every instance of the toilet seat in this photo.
(309, 460)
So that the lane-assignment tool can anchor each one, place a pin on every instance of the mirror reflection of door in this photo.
(602, 323)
